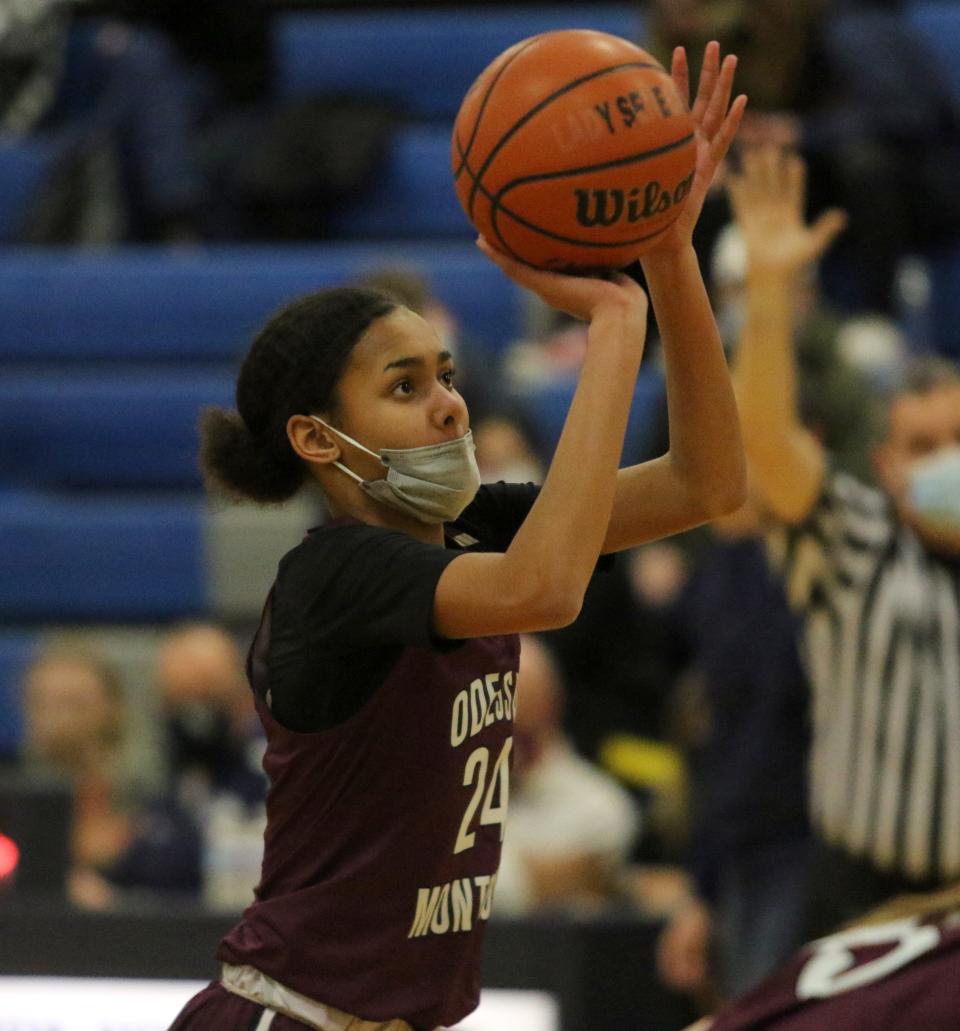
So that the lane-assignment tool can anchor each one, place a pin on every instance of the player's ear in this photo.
(311, 440)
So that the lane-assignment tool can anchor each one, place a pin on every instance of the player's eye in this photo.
(403, 388)
(449, 376)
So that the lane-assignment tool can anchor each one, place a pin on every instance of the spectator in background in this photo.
(231, 40)
(215, 750)
(620, 659)
(121, 844)
(504, 451)
(858, 93)
(749, 847)
(214, 737)
(74, 729)
(553, 354)
(413, 290)
(121, 110)
(875, 573)
(571, 827)
(539, 373)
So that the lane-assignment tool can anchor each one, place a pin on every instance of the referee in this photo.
(876, 573)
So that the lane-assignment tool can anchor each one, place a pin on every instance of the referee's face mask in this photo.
(934, 488)
(434, 483)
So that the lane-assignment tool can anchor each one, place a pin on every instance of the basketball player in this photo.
(384, 668)
(897, 969)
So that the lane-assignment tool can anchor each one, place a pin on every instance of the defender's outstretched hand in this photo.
(716, 121)
(767, 196)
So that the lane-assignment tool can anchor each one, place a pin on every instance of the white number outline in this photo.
(833, 969)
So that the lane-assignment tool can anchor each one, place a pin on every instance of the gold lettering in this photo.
(460, 719)
(427, 899)
(486, 897)
(462, 899)
(478, 707)
(493, 699)
(508, 691)
(440, 923)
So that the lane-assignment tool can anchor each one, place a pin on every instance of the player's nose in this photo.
(450, 413)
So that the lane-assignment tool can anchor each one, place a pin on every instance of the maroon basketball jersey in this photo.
(898, 976)
(383, 835)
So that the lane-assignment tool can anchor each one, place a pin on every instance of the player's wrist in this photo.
(665, 259)
(621, 328)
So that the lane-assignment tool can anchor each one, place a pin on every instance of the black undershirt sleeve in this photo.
(345, 602)
(351, 597)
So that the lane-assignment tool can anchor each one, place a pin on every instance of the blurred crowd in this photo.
(667, 744)
(170, 127)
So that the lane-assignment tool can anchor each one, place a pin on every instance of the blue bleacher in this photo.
(130, 429)
(143, 304)
(421, 61)
(413, 196)
(69, 557)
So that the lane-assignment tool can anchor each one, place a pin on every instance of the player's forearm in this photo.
(765, 371)
(706, 450)
(561, 537)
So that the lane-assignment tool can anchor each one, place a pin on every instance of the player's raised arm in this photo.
(786, 461)
(703, 474)
(539, 582)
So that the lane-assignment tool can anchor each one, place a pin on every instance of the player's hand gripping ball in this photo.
(573, 150)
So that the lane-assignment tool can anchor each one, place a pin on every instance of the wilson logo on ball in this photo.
(608, 207)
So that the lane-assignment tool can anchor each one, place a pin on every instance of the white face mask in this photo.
(935, 488)
(434, 483)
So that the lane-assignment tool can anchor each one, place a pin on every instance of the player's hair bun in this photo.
(244, 466)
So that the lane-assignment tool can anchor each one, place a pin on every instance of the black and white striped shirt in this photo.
(881, 643)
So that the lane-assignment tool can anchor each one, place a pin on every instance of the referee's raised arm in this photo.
(787, 462)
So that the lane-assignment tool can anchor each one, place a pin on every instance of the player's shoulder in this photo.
(328, 549)
(335, 535)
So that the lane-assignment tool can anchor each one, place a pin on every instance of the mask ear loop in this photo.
(356, 443)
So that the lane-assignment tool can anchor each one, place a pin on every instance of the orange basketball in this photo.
(573, 150)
